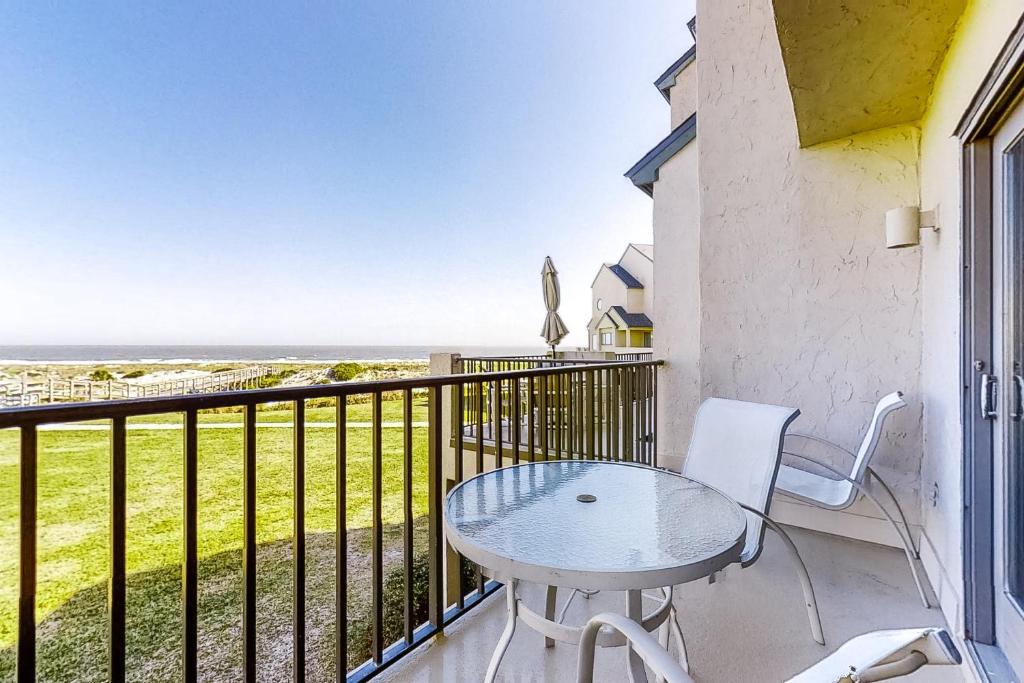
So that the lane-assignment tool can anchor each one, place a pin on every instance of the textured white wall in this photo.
(683, 95)
(801, 304)
(677, 303)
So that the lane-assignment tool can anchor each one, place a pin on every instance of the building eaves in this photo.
(645, 172)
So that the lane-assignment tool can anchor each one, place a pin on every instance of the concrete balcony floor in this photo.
(750, 626)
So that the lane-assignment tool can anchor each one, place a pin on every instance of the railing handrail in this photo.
(98, 410)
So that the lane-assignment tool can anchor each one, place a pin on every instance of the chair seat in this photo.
(814, 488)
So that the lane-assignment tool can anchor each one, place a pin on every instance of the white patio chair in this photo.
(841, 492)
(877, 656)
(883, 655)
(736, 448)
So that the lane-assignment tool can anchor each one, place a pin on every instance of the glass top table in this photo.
(591, 526)
(594, 525)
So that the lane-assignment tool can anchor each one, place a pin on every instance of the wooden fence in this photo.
(50, 390)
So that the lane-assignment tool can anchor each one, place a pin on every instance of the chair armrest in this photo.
(655, 656)
(823, 441)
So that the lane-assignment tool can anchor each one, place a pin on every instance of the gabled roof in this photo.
(665, 81)
(629, 319)
(645, 249)
(645, 172)
(626, 277)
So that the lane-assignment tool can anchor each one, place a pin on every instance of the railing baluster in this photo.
(460, 454)
(558, 416)
(542, 412)
(28, 503)
(341, 541)
(249, 547)
(407, 507)
(627, 416)
(570, 414)
(479, 427)
(118, 523)
(581, 414)
(435, 499)
(641, 417)
(514, 423)
(654, 411)
(615, 400)
(496, 428)
(531, 419)
(589, 418)
(377, 534)
(299, 545)
(189, 566)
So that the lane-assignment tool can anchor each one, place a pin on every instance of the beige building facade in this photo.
(774, 283)
(622, 303)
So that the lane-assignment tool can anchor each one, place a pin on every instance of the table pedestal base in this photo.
(555, 631)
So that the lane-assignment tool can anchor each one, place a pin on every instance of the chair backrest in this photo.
(736, 448)
(885, 405)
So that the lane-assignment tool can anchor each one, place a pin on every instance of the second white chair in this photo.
(842, 491)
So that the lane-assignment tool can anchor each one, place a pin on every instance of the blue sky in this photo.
(375, 172)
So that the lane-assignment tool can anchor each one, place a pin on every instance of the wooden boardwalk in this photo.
(35, 392)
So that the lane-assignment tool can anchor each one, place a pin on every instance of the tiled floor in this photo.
(751, 626)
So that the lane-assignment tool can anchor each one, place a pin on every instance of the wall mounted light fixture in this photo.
(903, 226)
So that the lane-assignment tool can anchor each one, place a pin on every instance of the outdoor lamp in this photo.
(903, 226)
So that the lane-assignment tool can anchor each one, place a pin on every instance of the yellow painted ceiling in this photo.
(858, 65)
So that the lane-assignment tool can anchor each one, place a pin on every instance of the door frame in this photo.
(1001, 90)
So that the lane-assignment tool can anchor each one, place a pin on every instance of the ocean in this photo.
(11, 355)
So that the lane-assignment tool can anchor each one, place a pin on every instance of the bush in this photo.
(268, 381)
(101, 375)
(343, 372)
(133, 374)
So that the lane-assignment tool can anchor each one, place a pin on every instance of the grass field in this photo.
(74, 536)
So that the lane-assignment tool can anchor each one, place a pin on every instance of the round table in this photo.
(592, 526)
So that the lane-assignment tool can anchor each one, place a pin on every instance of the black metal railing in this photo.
(546, 411)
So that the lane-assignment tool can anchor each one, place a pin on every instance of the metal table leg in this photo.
(634, 664)
(512, 603)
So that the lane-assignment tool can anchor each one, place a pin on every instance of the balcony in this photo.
(339, 568)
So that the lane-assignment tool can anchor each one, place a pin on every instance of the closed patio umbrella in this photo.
(554, 329)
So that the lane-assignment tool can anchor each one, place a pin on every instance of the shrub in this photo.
(100, 375)
(342, 372)
(133, 374)
(268, 381)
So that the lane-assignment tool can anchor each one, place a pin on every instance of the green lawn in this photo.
(74, 528)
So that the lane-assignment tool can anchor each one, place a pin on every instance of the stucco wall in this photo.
(677, 302)
(981, 32)
(801, 304)
(683, 95)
